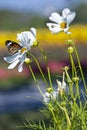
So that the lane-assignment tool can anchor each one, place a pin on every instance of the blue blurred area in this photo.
(39, 6)
(21, 99)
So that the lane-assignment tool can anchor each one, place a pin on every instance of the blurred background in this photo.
(19, 97)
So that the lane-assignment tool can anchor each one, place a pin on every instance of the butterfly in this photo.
(12, 46)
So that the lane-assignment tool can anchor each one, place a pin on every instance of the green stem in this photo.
(84, 82)
(49, 76)
(77, 90)
(67, 117)
(80, 67)
(44, 54)
(82, 118)
(39, 69)
(35, 80)
(74, 73)
(70, 83)
(54, 117)
(48, 71)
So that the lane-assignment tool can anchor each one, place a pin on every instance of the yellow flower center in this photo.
(63, 25)
(23, 50)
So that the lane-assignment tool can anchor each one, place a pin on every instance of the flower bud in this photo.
(70, 50)
(75, 79)
(66, 68)
(63, 103)
(69, 41)
(27, 60)
(49, 90)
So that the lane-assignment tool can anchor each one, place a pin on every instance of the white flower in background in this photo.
(26, 40)
(61, 85)
(50, 96)
(46, 97)
(61, 23)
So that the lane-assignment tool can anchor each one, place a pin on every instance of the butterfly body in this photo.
(12, 46)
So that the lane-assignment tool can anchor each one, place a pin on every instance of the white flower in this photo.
(50, 96)
(27, 38)
(61, 85)
(61, 23)
(46, 97)
(26, 41)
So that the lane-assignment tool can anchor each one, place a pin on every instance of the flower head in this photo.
(61, 85)
(26, 41)
(61, 23)
(50, 96)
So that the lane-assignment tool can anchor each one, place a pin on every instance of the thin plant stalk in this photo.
(36, 61)
(33, 75)
(54, 117)
(74, 73)
(70, 82)
(49, 76)
(84, 82)
(67, 117)
(48, 70)
(44, 54)
(77, 90)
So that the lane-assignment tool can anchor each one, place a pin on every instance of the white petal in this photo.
(65, 12)
(27, 38)
(13, 65)
(47, 94)
(59, 83)
(66, 30)
(21, 59)
(33, 31)
(63, 85)
(12, 58)
(23, 37)
(55, 17)
(54, 94)
(69, 33)
(32, 39)
(70, 17)
(19, 37)
(20, 67)
(54, 28)
(22, 56)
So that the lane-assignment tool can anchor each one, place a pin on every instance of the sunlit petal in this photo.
(55, 17)
(65, 12)
(66, 29)
(70, 17)
(12, 58)
(33, 31)
(13, 65)
(54, 28)
(20, 67)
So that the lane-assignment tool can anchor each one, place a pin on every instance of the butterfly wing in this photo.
(12, 46)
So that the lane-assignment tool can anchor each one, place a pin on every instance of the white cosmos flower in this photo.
(27, 38)
(50, 96)
(61, 85)
(26, 41)
(61, 23)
